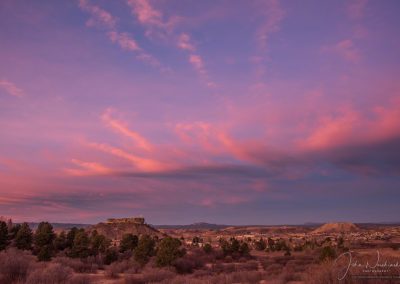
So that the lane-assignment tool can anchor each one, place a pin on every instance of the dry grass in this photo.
(150, 275)
(80, 279)
(78, 265)
(225, 278)
(14, 266)
(54, 273)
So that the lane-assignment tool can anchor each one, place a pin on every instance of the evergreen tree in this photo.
(144, 250)
(45, 253)
(244, 249)
(260, 244)
(128, 243)
(111, 255)
(327, 252)
(13, 230)
(98, 243)
(43, 241)
(23, 238)
(60, 243)
(3, 235)
(71, 236)
(207, 248)
(168, 251)
(80, 246)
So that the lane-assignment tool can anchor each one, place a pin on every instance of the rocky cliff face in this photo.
(115, 231)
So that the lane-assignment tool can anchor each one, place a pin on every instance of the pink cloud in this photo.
(273, 14)
(356, 8)
(345, 49)
(184, 42)
(88, 168)
(333, 130)
(152, 18)
(124, 40)
(10, 88)
(154, 21)
(197, 63)
(350, 127)
(99, 16)
(120, 127)
(139, 163)
(145, 13)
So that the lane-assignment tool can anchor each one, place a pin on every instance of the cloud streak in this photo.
(102, 18)
(120, 127)
(10, 88)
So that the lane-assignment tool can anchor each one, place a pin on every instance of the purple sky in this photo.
(227, 111)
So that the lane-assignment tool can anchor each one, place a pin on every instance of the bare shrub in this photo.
(133, 279)
(156, 275)
(14, 266)
(202, 273)
(115, 268)
(150, 275)
(96, 261)
(54, 273)
(183, 279)
(325, 273)
(80, 279)
(289, 274)
(249, 265)
(274, 268)
(188, 263)
(246, 277)
(78, 265)
(112, 271)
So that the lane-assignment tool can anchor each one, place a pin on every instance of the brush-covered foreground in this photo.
(197, 256)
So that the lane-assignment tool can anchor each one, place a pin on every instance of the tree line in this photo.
(44, 243)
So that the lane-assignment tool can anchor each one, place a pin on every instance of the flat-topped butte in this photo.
(132, 220)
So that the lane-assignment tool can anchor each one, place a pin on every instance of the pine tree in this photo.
(80, 246)
(168, 251)
(128, 243)
(43, 241)
(3, 235)
(23, 238)
(144, 250)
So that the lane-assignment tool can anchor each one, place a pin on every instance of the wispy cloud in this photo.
(124, 40)
(346, 49)
(87, 168)
(120, 127)
(156, 24)
(103, 19)
(152, 19)
(99, 16)
(184, 42)
(273, 15)
(139, 163)
(356, 8)
(197, 63)
(10, 88)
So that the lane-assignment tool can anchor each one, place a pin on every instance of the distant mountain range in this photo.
(194, 226)
(59, 226)
(210, 226)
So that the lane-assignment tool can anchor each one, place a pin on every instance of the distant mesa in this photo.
(337, 228)
(133, 220)
(115, 228)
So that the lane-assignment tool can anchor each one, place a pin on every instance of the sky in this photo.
(222, 111)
